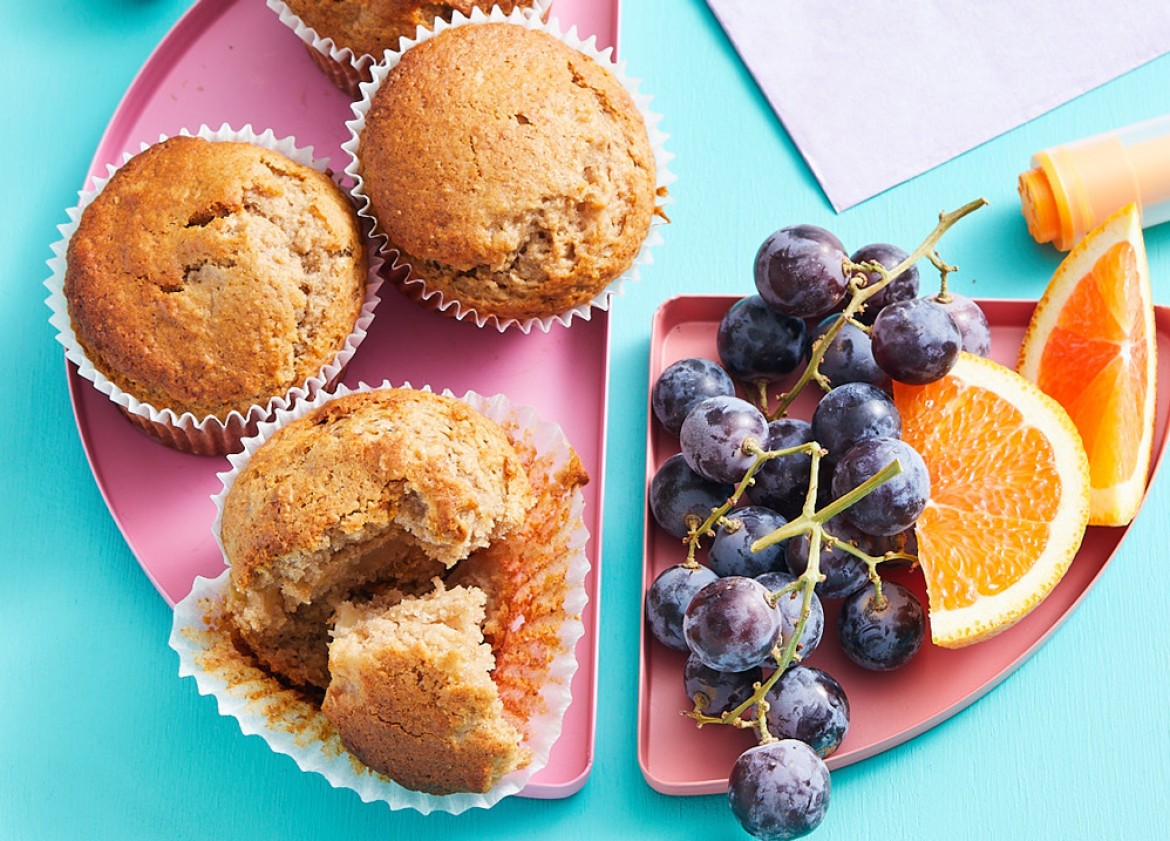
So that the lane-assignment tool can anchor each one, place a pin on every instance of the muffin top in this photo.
(513, 172)
(367, 27)
(213, 276)
(422, 464)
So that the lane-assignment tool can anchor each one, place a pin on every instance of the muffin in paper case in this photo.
(576, 292)
(183, 430)
(346, 67)
(535, 585)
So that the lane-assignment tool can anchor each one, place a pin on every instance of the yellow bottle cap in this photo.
(1038, 202)
(1073, 188)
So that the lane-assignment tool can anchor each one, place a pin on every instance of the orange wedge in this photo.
(1009, 496)
(1091, 345)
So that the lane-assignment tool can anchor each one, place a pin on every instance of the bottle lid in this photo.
(1038, 202)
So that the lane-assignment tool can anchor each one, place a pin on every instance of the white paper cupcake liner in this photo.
(417, 288)
(208, 435)
(346, 69)
(292, 725)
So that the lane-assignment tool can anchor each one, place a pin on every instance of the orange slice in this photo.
(1091, 345)
(1009, 496)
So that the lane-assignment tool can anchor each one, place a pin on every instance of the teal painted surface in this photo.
(100, 739)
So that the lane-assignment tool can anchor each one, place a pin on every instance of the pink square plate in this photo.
(886, 708)
(233, 61)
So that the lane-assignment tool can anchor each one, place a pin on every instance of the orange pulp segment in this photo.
(1091, 346)
(1009, 496)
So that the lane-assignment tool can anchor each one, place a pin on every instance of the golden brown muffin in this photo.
(368, 27)
(513, 172)
(404, 678)
(208, 277)
(391, 485)
(411, 693)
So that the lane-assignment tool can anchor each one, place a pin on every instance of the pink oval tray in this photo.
(886, 708)
(233, 61)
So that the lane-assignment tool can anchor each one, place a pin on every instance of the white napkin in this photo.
(874, 93)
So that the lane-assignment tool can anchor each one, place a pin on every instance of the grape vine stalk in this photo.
(861, 290)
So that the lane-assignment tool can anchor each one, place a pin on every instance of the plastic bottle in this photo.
(1073, 187)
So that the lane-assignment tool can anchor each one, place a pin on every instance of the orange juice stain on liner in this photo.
(1073, 187)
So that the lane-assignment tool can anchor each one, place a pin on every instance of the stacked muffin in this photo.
(418, 562)
(387, 486)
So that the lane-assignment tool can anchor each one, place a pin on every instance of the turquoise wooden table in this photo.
(101, 739)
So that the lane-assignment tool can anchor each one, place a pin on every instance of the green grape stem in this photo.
(872, 563)
(861, 291)
(807, 522)
(761, 395)
(699, 530)
(810, 522)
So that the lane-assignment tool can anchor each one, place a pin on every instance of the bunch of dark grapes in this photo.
(766, 488)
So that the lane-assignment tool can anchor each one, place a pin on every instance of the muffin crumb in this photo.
(411, 693)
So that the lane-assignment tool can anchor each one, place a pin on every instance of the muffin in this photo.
(209, 278)
(421, 665)
(346, 37)
(479, 660)
(391, 485)
(511, 171)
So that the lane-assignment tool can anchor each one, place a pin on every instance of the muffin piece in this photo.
(511, 171)
(390, 485)
(411, 693)
(345, 38)
(210, 277)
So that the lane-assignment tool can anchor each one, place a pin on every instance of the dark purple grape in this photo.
(799, 271)
(731, 552)
(971, 321)
(790, 605)
(667, 600)
(893, 506)
(714, 434)
(904, 287)
(844, 573)
(849, 358)
(825, 481)
(731, 626)
(808, 704)
(782, 483)
(755, 342)
(677, 492)
(851, 413)
(779, 790)
(685, 384)
(721, 691)
(915, 342)
(881, 636)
